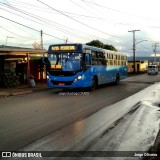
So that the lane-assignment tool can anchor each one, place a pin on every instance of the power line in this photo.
(24, 17)
(56, 29)
(148, 36)
(15, 33)
(81, 6)
(36, 17)
(115, 10)
(44, 10)
(20, 24)
(29, 27)
(27, 15)
(48, 21)
(76, 20)
(40, 19)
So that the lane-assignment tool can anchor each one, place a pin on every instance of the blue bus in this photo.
(82, 66)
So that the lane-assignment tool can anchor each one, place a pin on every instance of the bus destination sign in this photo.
(63, 48)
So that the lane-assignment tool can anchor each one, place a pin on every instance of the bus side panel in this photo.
(98, 71)
(112, 71)
(123, 72)
(87, 78)
(105, 74)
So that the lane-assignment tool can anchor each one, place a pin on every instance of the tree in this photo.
(110, 47)
(97, 43)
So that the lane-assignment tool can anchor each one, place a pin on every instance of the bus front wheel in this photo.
(94, 84)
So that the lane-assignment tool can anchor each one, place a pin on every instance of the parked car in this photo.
(152, 69)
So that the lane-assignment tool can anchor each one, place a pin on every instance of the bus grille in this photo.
(66, 83)
(62, 73)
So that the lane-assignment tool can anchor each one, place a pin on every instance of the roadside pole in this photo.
(28, 69)
(134, 48)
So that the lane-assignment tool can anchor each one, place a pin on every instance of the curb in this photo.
(4, 95)
(22, 92)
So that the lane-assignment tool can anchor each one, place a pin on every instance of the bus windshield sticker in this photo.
(56, 66)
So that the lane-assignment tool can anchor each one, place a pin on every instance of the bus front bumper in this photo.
(67, 84)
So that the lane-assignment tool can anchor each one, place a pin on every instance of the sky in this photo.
(81, 21)
(136, 131)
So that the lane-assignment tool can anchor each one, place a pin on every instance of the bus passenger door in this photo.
(87, 61)
(87, 69)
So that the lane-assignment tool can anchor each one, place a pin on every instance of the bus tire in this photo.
(117, 79)
(94, 84)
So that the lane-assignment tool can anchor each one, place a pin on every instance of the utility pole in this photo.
(134, 48)
(41, 39)
(41, 66)
(155, 50)
(28, 69)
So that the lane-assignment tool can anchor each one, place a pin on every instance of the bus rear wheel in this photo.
(94, 84)
(117, 79)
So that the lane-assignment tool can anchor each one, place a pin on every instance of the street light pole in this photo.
(134, 48)
(134, 53)
(6, 40)
(155, 50)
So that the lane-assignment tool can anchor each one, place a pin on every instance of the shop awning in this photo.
(9, 50)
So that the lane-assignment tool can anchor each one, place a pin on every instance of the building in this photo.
(140, 66)
(141, 63)
(21, 62)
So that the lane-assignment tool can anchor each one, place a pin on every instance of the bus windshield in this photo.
(66, 61)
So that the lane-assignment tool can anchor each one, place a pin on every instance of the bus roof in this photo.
(84, 46)
(104, 50)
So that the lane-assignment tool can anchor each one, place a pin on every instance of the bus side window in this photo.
(101, 58)
(106, 62)
(94, 58)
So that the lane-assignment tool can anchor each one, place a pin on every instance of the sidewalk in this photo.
(22, 89)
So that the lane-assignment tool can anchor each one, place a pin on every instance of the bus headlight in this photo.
(48, 78)
(78, 78)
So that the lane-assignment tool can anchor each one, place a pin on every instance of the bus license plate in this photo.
(61, 84)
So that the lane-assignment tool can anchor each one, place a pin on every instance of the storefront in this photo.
(140, 66)
(21, 63)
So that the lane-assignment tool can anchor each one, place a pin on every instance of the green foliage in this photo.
(96, 43)
(99, 44)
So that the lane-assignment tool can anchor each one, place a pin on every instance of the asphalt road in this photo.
(27, 118)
